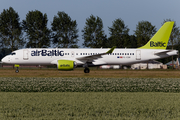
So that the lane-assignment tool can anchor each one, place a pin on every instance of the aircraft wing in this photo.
(93, 57)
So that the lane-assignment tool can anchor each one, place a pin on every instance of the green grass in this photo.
(89, 98)
(22, 84)
(90, 105)
(51, 73)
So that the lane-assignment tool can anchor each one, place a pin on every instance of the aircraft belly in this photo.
(34, 61)
(120, 60)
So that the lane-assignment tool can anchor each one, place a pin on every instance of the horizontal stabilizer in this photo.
(162, 52)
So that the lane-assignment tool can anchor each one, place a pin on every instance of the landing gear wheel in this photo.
(86, 70)
(17, 70)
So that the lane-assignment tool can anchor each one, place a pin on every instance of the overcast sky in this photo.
(131, 11)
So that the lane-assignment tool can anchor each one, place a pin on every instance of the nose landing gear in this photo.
(17, 68)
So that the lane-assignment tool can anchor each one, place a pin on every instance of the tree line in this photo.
(32, 32)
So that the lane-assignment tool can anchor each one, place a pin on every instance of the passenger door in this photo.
(25, 54)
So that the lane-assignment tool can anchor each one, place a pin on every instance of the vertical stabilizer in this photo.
(161, 38)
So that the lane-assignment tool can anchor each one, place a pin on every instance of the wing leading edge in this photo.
(93, 57)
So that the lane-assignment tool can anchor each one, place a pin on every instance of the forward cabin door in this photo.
(138, 54)
(25, 55)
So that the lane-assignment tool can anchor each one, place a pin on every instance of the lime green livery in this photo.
(65, 65)
(111, 50)
(161, 38)
(16, 65)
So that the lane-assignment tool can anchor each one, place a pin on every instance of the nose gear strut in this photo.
(17, 68)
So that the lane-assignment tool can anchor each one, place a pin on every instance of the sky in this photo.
(130, 11)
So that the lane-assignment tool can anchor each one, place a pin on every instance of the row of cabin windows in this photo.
(99, 53)
(66, 53)
(88, 53)
(82, 53)
(108, 54)
(121, 54)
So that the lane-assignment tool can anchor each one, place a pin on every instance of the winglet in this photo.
(111, 50)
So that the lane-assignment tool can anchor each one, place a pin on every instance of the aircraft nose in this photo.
(5, 60)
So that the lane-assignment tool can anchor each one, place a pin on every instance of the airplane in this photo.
(68, 59)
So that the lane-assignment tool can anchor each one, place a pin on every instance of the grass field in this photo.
(101, 94)
(76, 84)
(93, 73)
(91, 105)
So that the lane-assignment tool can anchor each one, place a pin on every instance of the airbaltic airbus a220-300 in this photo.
(68, 59)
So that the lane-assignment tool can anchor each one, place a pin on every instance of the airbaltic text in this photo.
(157, 44)
(47, 53)
(64, 65)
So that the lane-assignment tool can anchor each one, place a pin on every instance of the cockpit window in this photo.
(13, 53)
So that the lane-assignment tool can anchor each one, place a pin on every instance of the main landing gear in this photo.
(86, 70)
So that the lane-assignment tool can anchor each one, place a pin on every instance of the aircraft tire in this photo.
(16, 71)
(86, 70)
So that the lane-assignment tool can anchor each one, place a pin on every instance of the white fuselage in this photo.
(48, 56)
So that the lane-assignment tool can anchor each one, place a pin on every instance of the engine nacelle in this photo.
(66, 65)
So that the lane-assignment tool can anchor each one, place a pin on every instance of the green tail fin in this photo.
(161, 38)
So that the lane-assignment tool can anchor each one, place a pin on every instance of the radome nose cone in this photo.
(4, 60)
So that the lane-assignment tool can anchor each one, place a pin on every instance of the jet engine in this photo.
(66, 65)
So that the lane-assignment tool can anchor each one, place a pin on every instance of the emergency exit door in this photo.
(138, 54)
